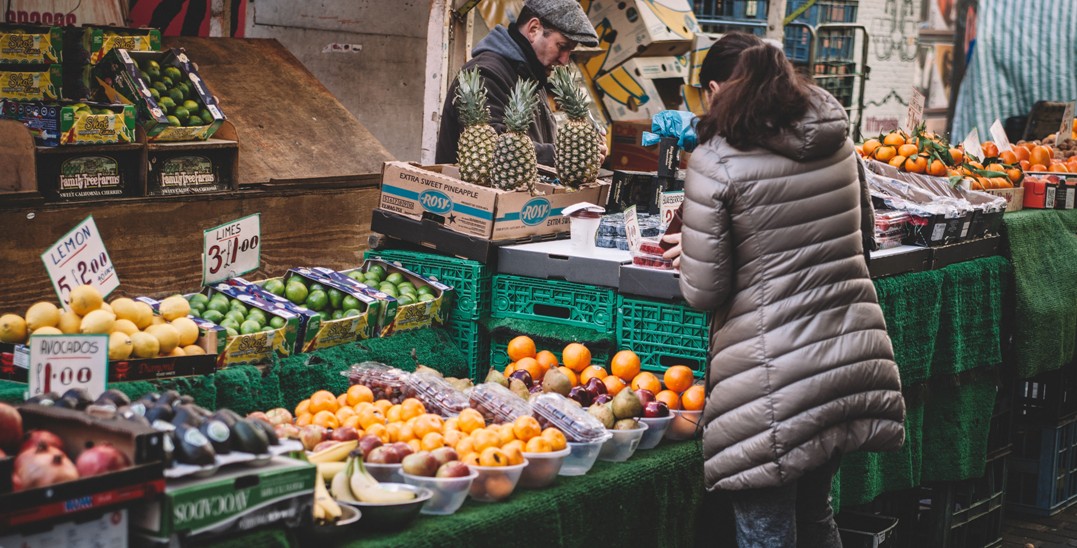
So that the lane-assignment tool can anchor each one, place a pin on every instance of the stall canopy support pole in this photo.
(448, 44)
(776, 20)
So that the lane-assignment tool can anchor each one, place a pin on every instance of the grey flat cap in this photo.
(566, 16)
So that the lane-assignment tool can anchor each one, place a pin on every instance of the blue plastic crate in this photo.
(1043, 468)
(473, 340)
(824, 11)
(663, 334)
(797, 43)
(835, 45)
(566, 303)
(745, 9)
(840, 87)
(469, 279)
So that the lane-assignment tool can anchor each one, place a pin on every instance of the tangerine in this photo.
(342, 400)
(1040, 155)
(907, 150)
(470, 420)
(394, 414)
(521, 347)
(370, 417)
(505, 433)
(1007, 157)
(990, 149)
(322, 400)
(556, 438)
(407, 432)
(493, 456)
(870, 145)
(1059, 168)
(452, 423)
(515, 452)
(897, 161)
(411, 408)
(894, 139)
(471, 459)
(678, 378)
(936, 168)
(614, 384)
(646, 381)
(1037, 167)
(382, 405)
(325, 419)
(344, 412)
(546, 360)
(464, 445)
(885, 153)
(576, 357)
(427, 423)
(394, 431)
(693, 398)
(592, 372)
(625, 364)
(916, 164)
(380, 430)
(453, 437)
(353, 421)
(432, 441)
(526, 427)
(531, 365)
(670, 398)
(538, 444)
(957, 155)
(303, 419)
(415, 445)
(484, 438)
(302, 408)
(359, 393)
(1021, 153)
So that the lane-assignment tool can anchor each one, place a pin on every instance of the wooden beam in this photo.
(448, 46)
(775, 18)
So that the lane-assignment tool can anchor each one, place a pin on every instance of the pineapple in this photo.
(514, 165)
(578, 158)
(475, 148)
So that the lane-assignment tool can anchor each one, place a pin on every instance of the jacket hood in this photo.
(819, 134)
(499, 42)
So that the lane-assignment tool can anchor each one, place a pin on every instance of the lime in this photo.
(268, 329)
(176, 95)
(377, 268)
(351, 312)
(153, 71)
(173, 121)
(249, 327)
(295, 292)
(373, 277)
(191, 105)
(173, 73)
(335, 298)
(214, 316)
(217, 306)
(207, 118)
(256, 315)
(199, 306)
(193, 121)
(236, 315)
(229, 323)
(389, 290)
(155, 94)
(406, 289)
(426, 297)
(317, 300)
(236, 304)
(276, 322)
(161, 88)
(316, 287)
(231, 331)
(274, 286)
(298, 280)
(395, 278)
(405, 300)
(198, 298)
(425, 289)
(145, 77)
(167, 81)
(185, 88)
(182, 113)
(357, 275)
(337, 314)
(195, 313)
(349, 303)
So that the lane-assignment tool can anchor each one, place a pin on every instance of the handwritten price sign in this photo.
(232, 249)
(632, 229)
(80, 258)
(59, 363)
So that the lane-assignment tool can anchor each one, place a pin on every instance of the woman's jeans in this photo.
(797, 514)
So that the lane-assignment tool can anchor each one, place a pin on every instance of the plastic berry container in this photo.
(437, 395)
(552, 409)
(888, 242)
(648, 260)
(885, 220)
(498, 404)
(651, 246)
(387, 383)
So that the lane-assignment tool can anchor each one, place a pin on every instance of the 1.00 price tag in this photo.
(59, 363)
(231, 249)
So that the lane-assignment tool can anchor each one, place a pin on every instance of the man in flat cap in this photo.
(543, 36)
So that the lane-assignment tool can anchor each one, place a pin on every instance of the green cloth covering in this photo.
(912, 306)
(1041, 246)
(649, 500)
(969, 334)
(957, 420)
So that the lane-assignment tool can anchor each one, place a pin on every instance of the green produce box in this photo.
(31, 44)
(194, 510)
(253, 347)
(55, 124)
(97, 41)
(166, 88)
(31, 82)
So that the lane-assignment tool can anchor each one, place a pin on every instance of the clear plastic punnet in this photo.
(498, 404)
(387, 383)
(552, 409)
(437, 395)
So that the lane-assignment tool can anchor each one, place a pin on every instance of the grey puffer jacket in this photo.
(801, 367)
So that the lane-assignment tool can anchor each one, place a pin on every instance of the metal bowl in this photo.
(333, 531)
(392, 517)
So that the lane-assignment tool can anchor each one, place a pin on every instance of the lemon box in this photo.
(31, 44)
(31, 82)
(408, 315)
(639, 28)
(69, 123)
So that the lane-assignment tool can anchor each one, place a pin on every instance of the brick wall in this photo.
(892, 26)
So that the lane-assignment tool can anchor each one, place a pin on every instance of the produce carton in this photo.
(334, 332)
(31, 44)
(64, 501)
(640, 28)
(416, 315)
(110, 529)
(79, 173)
(122, 77)
(255, 348)
(701, 45)
(693, 100)
(628, 153)
(98, 41)
(31, 82)
(436, 193)
(642, 87)
(195, 510)
(309, 320)
(54, 124)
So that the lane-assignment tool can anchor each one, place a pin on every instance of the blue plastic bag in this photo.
(673, 123)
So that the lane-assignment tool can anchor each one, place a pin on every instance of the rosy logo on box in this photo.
(435, 202)
(535, 211)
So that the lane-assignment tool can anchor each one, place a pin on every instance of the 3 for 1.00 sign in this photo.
(232, 249)
(80, 258)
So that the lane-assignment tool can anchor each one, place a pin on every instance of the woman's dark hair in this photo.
(722, 58)
(762, 96)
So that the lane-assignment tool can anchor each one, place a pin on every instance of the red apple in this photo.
(345, 433)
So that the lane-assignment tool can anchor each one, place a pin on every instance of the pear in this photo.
(604, 414)
(519, 388)
(497, 377)
(428, 371)
(626, 424)
(556, 381)
(626, 405)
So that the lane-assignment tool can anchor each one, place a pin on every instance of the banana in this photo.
(322, 500)
(335, 453)
(319, 512)
(366, 488)
(328, 470)
(340, 488)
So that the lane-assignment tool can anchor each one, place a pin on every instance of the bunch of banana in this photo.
(336, 453)
(355, 484)
(325, 508)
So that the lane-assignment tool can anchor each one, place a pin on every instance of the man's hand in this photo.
(603, 150)
(674, 252)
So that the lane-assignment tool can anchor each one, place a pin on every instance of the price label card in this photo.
(972, 145)
(998, 135)
(1065, 130)
(916, 111)
(80, 258)
(59, 363)
(670, 201)
(632, 228)
(232, 249)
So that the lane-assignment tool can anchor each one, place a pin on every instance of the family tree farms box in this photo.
(91, 172)
(436, 193)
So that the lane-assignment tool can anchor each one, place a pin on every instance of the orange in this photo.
(325, 419)
(493, 456)
(1007, 157)
(509, 369)
(670, 398)
(572, 378)
(894, 139)
(692, 399)
(364, 406)
(555, 437)
(1040, 155)
(345, 412)
(407, 432)
(646, 381)
(322, 400)
(614, 384)
(592, 372)
(357, 393)
(990, 149)
(394, 431)
(452, 423)
(957, 155)
(995, 167)
(576, 357)
(427, 423)
(916, 164)
(884, 154)
(1059, 168)
(303, 408)
(382, 405)
(678, 378)
(453, 437)
(470, 420)
(342, 400)
(1037, 167)
(414, 445)
(531, 365)
(411, 408)
(394, 414)
(1021, 153)
(432, 441)
(471, 459)
(303, 419)
(625, 364)
(897, 161)
(353, 421)
(538, 444)
(484, 438)
(505, 433)
(370, 417)
(870, 145)
(379, 430)
(936, 168)
(546, 360)
(515, 452)
(464, 446)
(521, 347)
(907, 150)
(526, 427)
(1014, 175)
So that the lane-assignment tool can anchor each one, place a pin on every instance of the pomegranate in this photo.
(34, 437)
(101, 459)
(10, 427)
(258, 415)
(42, 466)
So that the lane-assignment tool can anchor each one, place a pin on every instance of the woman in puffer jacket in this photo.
(801, 368)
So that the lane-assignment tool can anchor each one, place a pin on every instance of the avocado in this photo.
(160, 412)
(81, 396)
(193, 448)
(249, 438)
(226, 416)
(48, 398)
(267, 429)
(186, 414)
(117, 398)
(149, 398)
(218, 434)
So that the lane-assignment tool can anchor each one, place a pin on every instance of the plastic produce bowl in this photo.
(622, 445)
(684, 425)
(335, 532)
(581, 457)
(656, 429)
(392, 517)
(447, 493)
(495, 483)
(542, 468)
(385, 472)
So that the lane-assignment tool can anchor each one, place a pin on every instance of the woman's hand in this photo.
(674, 252)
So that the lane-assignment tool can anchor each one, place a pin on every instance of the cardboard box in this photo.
(110, 529)
(693, 100)
(31, 82)
(640, 28)
(118, 77)
(31, 44)
(255, 348)
(98, 41)
(332, 332)
(192, 167)
(561, 260)
(899, 260)
(91, 172)
(399, 231)
(54, 124)
(194, 510)
(701, 45)
(642, 87)
(1015, 197)
(405, 317)
(437, 193)
(628, 154)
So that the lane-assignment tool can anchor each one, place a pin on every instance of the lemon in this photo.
(120, 346)
(47, 330)
(145, 315)
(166, 335)
(157, 320)
(84, 299)
(193, 350)
(177, 351)
(12, 329)
(125, 309)
(188, 330)
(70, 322)
(174, 307)
(107, 308)
(125, 326)
(144, 345)
(42, 314)
(98, 321)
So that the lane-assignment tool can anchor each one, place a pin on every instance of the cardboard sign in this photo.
(670, 201)
(998, 135)
(972, 145)
(59, 363)
(1065, 130)
(80, 258)
(632, 228)
(232, 249)
(916, 111)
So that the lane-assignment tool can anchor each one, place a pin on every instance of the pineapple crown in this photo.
(470, 98)
(520, 110)
(569, 96)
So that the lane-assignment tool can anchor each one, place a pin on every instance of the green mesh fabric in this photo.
(238, 388)
(273, 537)
(1043, 251)
(912, 305)
(969, 334)
(957, 420)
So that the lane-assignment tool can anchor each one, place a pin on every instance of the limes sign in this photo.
(59, 363)
(232, 249)
(80, 258)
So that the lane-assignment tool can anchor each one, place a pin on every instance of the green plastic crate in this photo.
(470, 279)
(473, 340)
(499, 355)
(663, 334)
(567, 303)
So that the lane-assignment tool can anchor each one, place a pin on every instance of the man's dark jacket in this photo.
(503, 57)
